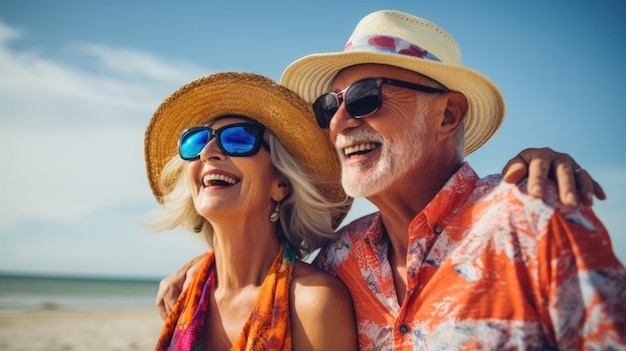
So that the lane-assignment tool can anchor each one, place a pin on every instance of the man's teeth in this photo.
(359, 148)
(212, 178)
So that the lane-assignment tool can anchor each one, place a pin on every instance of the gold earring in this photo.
(275, 215)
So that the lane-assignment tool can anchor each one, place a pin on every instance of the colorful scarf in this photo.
(268, 326)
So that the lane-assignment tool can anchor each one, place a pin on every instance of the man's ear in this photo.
(454, 114)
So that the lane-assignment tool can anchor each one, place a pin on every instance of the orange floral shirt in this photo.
(488, 267)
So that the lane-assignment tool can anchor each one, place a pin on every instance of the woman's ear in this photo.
(281, 190)
(454, 114)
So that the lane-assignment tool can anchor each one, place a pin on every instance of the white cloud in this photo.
(134, 63)
(72, 138)
(7, 33)
(34, 88)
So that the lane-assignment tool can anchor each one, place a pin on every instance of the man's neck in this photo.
(398, 206)
(407, 197)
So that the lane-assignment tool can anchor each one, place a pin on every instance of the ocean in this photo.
(25, 292)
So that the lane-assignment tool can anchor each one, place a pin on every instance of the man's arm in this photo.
(574, 183)
(172, 286)
(583, 282)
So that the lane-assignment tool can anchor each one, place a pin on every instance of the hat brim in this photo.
(259, 98)
(312, 76)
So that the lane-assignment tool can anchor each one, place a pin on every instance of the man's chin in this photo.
(362, 186)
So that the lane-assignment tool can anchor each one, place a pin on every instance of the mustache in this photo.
(357, 137)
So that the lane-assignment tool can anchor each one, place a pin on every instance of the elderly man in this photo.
(451, 261)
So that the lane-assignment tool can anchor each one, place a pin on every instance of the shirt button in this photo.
(403, 329)
(438, 230)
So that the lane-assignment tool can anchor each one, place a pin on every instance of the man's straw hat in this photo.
(398, 39)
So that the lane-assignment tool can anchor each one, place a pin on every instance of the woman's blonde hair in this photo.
(305, 214)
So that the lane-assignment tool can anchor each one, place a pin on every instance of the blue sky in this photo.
(79, 81)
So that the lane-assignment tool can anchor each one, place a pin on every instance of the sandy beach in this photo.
(65, 329)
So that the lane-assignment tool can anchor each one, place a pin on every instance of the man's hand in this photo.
(574, 183)
(171, 287)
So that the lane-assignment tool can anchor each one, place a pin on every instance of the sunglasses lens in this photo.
(325, 107)
(240, 140)
(192, 142)
(363, 98)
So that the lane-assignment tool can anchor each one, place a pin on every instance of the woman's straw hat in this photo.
(402, 40)
(257, 97)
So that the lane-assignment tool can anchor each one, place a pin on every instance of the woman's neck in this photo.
(243, 254)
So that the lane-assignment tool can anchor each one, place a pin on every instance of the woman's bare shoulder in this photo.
(322, 313)
(315, 292)
(307, 276)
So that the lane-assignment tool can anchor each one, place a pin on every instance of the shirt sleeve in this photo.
(577, 267)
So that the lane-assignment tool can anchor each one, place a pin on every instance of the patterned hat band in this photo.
(388, 45)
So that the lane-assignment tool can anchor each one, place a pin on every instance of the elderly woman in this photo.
(254, 176)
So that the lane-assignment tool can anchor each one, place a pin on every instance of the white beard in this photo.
(398, 155)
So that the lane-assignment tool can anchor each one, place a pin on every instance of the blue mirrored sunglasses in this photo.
(237, 139)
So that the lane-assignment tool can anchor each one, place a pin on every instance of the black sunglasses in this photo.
(362, 98)
(237, 139)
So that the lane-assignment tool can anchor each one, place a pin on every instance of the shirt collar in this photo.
(449, 199)
(437, 213)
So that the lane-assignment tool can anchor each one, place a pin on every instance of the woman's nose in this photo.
(211, 151)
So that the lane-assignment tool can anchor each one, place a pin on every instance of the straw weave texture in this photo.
(288, 116)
